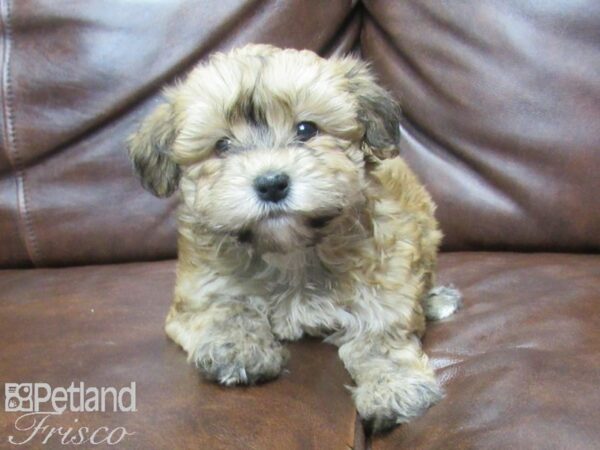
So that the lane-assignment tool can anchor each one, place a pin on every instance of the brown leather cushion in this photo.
(520, 361)
(502, 107)
(104, 326)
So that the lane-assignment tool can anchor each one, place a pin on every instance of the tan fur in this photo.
(360, 278)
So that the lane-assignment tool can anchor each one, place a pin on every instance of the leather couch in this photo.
(502, 123)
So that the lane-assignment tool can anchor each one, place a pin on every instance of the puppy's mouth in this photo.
(316, 222)
(245, 236)
(319, 222)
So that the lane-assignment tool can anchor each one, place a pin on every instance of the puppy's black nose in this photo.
(272, 186)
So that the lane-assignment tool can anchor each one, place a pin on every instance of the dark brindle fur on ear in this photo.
(149, 149)
(378, 112)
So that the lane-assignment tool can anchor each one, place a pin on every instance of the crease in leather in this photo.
(353, 19)
(418, 134)
(360, 438)
(25, 226)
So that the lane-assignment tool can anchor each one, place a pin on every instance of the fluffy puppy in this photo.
(297, 216)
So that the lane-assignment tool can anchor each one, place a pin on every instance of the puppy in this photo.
(297, 217)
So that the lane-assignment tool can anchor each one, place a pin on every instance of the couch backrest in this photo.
(502, 105)
(502, 108)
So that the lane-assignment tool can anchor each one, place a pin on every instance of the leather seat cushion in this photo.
(520, 362)
(103, 325)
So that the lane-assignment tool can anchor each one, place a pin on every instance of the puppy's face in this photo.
(270, 146)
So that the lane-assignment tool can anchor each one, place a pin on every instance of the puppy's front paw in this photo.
(245, 361)
(391, 398)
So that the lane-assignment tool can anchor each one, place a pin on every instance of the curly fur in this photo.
(349, 255)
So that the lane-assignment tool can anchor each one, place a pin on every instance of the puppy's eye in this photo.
(223, 145)
(306, 131)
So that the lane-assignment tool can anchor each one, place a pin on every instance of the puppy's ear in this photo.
(150, 151)
(377, 111)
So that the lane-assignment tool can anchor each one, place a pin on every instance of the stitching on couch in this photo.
(9, 138)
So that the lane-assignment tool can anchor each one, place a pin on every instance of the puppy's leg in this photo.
(285, 324)
(229, 340)
(394, 382)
